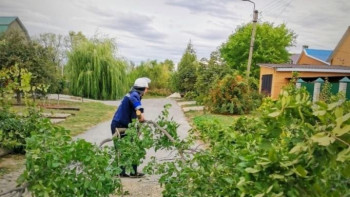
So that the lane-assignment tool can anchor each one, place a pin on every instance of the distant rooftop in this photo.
(319, 54)
(308, 68)
(6, 20)
(294, 58)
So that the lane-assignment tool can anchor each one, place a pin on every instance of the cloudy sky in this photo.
(161, 29)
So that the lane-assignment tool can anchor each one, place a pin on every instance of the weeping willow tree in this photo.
(94, 72)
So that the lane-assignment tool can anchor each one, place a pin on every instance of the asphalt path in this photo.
(147, 186)
(153, 108)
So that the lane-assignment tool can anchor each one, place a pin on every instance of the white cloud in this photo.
(161, 29)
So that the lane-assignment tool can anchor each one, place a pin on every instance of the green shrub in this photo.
(291, 148)
(190, 95)
(159, 92)
(56, 165)
(231, 95)
(15, 129)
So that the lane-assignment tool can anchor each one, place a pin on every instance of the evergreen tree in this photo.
(186, 75)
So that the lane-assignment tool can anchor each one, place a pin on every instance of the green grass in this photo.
(199, 116)
(90, 114)
(147, 96)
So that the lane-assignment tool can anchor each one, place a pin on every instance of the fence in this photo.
(314, 88)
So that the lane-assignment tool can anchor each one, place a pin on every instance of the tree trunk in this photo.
(18, 92)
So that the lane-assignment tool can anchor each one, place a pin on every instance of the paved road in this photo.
(147, 186)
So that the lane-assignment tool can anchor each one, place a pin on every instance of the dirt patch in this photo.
(142, 187)
(11, 163)
(11, 167)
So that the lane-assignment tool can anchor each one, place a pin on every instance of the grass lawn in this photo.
(147, 96)
(90, 114)
(198, 116)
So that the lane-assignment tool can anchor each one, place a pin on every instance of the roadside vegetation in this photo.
(199, 117)
(256, 146)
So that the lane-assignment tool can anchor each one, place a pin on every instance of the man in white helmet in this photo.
(130, 108)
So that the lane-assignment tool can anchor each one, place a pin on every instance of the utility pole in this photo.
(255, 20)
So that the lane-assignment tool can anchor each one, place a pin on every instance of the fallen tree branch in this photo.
(154, 124)
(168, 135)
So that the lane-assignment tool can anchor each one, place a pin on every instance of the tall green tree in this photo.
(209, 72)
(270, 46)
(17, 50)
(94, 72)
(185, 78)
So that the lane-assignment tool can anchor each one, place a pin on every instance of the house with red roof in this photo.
(311, 65)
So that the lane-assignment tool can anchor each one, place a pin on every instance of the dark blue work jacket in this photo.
(127, 109)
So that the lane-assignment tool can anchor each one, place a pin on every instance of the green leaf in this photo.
(55, 164)
(228, 180)
(322, 139)
(241, 181)
(259, 195)
(344, 155)
(251, 170)
(341, 131)
(299, 170)
(319, 113)
(340, 119)
(275, 114)
(276, 176)
(334, 105)
(269, 189)
(300, 147)
(338, 112)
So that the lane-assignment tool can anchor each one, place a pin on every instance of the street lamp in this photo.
(255, 19)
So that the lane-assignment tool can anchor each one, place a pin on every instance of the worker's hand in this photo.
(140, 116)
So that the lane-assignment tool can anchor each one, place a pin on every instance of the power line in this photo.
(275, 4)
(280, 7)
(285, 7)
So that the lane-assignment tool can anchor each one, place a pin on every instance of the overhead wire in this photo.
(281, 7)
(275, 4)
(285, 7)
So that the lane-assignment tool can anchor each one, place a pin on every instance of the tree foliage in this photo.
(290, 148)
(58, 166)
(16, 50)
(159, 73)
(270, 46)
(232, 95)
(94, 72)
(185, 77)
(208, 74)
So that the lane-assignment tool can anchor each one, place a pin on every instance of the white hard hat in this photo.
(142, 82)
